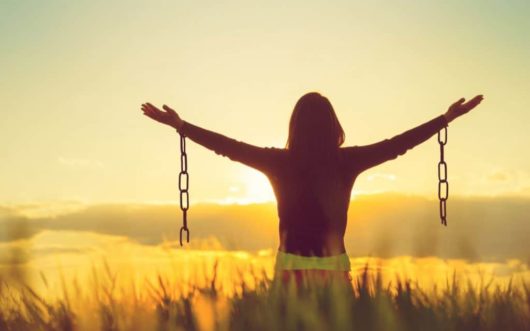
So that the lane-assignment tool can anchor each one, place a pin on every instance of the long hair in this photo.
(314, 129)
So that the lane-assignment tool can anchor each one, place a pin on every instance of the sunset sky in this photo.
(74, 74)
(86, 178)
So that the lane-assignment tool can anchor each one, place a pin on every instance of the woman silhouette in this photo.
(312, 178)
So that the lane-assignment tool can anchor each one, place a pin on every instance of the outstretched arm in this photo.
(261, 158)
(365, 157)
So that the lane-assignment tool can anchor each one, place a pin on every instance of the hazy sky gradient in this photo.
(74, 74)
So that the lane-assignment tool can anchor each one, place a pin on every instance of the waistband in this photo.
(288, 261)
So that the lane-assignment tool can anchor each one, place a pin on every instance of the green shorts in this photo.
(288, 261)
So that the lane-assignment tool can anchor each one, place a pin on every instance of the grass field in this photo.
(257, 302)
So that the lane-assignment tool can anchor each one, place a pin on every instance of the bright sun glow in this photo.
(257, 187)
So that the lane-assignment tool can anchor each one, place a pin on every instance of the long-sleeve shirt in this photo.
(312, 207)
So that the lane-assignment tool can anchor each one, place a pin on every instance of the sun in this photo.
(255, 186)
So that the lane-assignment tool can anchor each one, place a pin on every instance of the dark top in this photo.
(312, 207)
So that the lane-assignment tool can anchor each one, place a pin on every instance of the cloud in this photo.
(49, 209)
(384, 225)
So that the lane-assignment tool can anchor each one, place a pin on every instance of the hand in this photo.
(459, 108)
(168, 117)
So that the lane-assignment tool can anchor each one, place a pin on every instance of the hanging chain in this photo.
(183, 188)
(443, 184)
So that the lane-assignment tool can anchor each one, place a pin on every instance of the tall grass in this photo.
(266, 304)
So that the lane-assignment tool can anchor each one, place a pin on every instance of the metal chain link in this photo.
(443, 184)
(183, 188)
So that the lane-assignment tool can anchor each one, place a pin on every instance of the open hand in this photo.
(168, 117)
(461, 107)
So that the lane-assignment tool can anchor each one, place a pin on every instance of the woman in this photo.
(312, 178)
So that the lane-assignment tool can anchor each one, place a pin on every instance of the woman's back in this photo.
(312, 201)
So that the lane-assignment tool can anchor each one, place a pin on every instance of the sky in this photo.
(85, 177)
(74, 74)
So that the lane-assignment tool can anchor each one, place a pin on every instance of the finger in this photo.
(471, 104)
(475, 101)
(457, 104)
(151, 113)
(147, 110)
(152, 108)
(170, 110)
(479, 98)
(148, 113)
